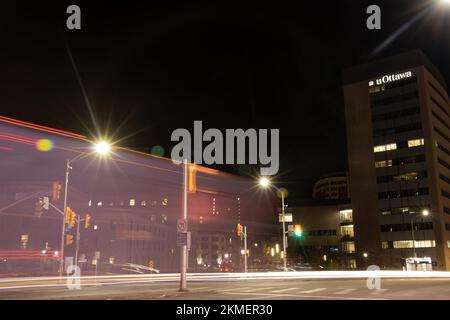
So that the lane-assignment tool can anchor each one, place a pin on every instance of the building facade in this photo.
(398, 140)
(332, 186)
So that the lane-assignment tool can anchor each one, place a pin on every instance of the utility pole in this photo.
(284, 231)
(183, 264)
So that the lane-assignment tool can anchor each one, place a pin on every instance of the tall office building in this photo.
(398, 135)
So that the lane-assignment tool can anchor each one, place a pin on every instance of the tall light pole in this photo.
(102, 148)
(425, 213)
(265, 182)
(183, 264)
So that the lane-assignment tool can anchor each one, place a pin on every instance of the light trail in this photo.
(8, 283)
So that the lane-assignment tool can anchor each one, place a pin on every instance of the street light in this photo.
(100, 147)
(265, 182)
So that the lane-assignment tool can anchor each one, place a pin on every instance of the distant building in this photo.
(327, 234)
(398, 141)
(332, 186)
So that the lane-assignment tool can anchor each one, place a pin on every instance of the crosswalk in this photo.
(276, 291)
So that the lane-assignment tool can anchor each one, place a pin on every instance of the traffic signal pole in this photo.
(245, 249)
(63, 229)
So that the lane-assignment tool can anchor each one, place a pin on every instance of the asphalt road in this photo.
(242, 289)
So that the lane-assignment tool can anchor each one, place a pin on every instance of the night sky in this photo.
(149, 69)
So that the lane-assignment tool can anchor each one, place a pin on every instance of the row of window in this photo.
(320, 233)
(445, 194)
(406, 244)
(400, 161)
(442, 121)
(400, 210)
(402, 177)
(438, 92)
(395, 99)
(403, 193)
(437, 104)
(132, 203)
(398, 227)
(396, 114)
(443, 135)
(398, 129)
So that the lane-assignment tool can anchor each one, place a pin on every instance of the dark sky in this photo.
(151, 68)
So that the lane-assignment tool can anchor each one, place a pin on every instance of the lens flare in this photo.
(44, 145)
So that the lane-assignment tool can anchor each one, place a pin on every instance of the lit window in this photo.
(384, 245)
(348, 246)
(346, 215)
(111, 260)
(24, 241)
(406, 176)
(448, 243)
(347, 231)
(165, 201)
(415, 143)
(383, 163)
(99, 204)
(89, 203)
(143, 203)
(95, 227)
(385, 147)
(132, 202)
(401, 244)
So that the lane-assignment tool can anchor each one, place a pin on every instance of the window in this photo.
(132, 202)
(404, 244)
(24, 241)
(415, 143)
(384, 245)
(143, 203)
(99, 204)
(348, 246)
(448, 243)
(385, 147)
(346, 215)
(383, 163)
(347, 231)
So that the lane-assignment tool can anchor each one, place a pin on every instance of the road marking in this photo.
(264, 297)
(345, 291)
(284, 290)
(236, 289)
(296, 296)
(258, 289)
(313, 290)
(378, 291)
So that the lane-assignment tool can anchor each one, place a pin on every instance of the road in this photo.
(219, 287)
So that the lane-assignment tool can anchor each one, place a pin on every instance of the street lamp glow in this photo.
(264, 182)
(365, 255)
(102, 147)
(425, 212)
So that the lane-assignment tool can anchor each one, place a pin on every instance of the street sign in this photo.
(46, 205)
(290, 228)
(182, 225)
(182, 239)
(287, 217)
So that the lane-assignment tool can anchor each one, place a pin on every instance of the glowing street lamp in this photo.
(265, 182)
(102, 148)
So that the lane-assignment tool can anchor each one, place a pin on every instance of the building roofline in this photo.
(401, 61)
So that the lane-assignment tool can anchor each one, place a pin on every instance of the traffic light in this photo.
(87, 221)
(298, 232)
(39, 208)
(68, 215)
(69, 239)
(239, 229)
(192, 178)
(73, 219)
(56, 191)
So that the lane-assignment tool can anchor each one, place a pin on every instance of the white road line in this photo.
(378, 291)
(295, 296)
(264, 297)
(345, 291)
(236, 289)
(313, 290)
(285, 290)
(258, 289)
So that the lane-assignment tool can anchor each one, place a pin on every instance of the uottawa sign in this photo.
(390, 78)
